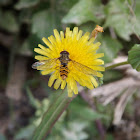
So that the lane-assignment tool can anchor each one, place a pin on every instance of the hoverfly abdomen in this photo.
(64, 59)
(64, 71)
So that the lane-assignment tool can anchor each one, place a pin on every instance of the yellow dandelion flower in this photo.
(71, 58)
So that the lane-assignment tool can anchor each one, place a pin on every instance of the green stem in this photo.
(51, 116)
(116, 65)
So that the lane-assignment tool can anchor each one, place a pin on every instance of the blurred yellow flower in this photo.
(71, 58)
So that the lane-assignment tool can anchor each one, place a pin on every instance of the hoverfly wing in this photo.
(36, 64)
(45, 64)
(84, 69)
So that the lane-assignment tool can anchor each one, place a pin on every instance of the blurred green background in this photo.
(24, 94)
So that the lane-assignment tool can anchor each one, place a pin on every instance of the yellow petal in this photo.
(78, 79)
(52, 40)
(79, 34)
(97, 62)
(63, 84)
(99, 55)
(88, 84)
(62, 35)
(94, 81)
(75, 31)
(57, 36)
(45, 72)
(43, 48)
(97, 44)
(52, 78)
(98, 74)
(68, 32)
(74, 87)
(39, 57)
(91, 41)
(47, 43)
(72, 83)
(57, 83)
(98, 68)
(70, 92)
(40, 51)
(85, 37)
(83, 80)
(95, 47)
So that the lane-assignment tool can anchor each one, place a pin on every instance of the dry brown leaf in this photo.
(15, 84)
(126, 86)
(120, 107)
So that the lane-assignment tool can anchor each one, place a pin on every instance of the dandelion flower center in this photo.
(71, 58)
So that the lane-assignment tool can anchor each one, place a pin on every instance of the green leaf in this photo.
(110, 47)
(134, 57)
(86, 113)
(51, 116)
(118, 18)
(137, 9)
(26, 4)
(43, 23)
(87, 27)
(136, 19)
(8, 21)
(67, 4)
(83, 11)
(122, 17)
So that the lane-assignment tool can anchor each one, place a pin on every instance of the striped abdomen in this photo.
(63, 71)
